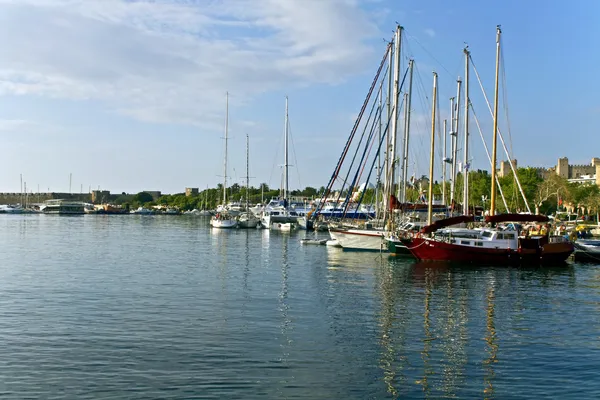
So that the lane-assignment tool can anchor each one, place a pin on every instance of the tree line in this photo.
(544, 196)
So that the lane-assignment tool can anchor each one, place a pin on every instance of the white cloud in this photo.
(172, 61)
(430, 32)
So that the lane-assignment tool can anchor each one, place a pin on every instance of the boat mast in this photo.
(430, 194)
(390, 80)
(455, 138)
(466, 146)
(285, 161)
(247, 170)
(380, 101)
(495, 134)
(225, 163)
(407, 105)
(392, 170)
(444, 161)
(452, 146)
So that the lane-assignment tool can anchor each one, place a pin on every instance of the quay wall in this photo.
(15, 198)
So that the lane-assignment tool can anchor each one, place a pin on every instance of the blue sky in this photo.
(130, 95)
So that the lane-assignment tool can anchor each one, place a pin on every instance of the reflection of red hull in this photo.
(433, 250)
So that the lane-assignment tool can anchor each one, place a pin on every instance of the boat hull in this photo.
(357, 239)
(426, 249)
(397, 248)
(223, 223)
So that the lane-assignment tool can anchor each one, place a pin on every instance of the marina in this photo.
(298, 200)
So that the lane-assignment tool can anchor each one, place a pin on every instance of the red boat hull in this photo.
(432, 250)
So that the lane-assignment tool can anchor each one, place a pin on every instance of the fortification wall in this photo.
(14, 198)
(576, 171)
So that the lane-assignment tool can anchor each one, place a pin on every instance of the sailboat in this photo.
(368, 238)
(499, 244)
(277, 214)
(205, 212)
(247, 219)
(223, 219)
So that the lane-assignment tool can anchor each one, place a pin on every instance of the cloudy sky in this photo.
(130, 95)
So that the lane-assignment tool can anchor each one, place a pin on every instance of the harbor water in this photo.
(140, 307)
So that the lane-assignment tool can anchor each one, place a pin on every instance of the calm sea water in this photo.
(135, 307)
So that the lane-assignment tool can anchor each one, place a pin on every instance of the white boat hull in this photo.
(282, 226)
(358, 239)
(223, 223)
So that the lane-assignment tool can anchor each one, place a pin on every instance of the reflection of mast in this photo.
(492, 347)
(283, 303)
(427, 369)
(455, 333)
(392, 339)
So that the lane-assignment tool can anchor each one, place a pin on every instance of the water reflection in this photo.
(491, 345)
(284, 307)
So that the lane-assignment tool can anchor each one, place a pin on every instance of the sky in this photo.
(130, 95)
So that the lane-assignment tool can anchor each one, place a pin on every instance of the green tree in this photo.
(143, 197)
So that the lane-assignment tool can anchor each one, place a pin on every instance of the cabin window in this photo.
(465, 242)
(480, 244)
(486, 234)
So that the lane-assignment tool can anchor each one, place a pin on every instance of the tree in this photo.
(551, 187)
(143, 197)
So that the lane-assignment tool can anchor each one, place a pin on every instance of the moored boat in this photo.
(223, 220)
(63, 207)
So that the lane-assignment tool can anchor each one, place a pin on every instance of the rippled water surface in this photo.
(164, 307)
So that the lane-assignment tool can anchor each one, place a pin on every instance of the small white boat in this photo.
(332, 243)
(10, 209)
(282, 226)
(248, 220)
(223, 220)
(142, 211)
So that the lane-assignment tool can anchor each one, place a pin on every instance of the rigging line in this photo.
(427, 51)
(352, 133)
(512, 167)
(362, 136)
(289, 127)
(383, 135)
(363, 162)
(505, 99)
(487, 152)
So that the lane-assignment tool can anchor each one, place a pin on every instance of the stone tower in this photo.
(562, 168)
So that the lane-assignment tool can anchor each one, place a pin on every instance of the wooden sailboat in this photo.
(223, 219)
(493, 245)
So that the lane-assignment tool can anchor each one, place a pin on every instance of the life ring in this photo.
(563, 228)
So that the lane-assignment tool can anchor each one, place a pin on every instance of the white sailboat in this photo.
(277, 212)
(223, 219)
(247, 219)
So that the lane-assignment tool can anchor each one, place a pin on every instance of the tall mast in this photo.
(247, 170)
(495, 134)
(407, 105)
(225, 163)
(432, 150)
(452, 147)
(455, 133)
(444, 161)
(466, 146)
(392, 171)
(390, 82)
(285, 161)
(380, 101)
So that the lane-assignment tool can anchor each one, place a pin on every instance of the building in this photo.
(191, 191)
(505, 169)
(100, 196)
(589, 173)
